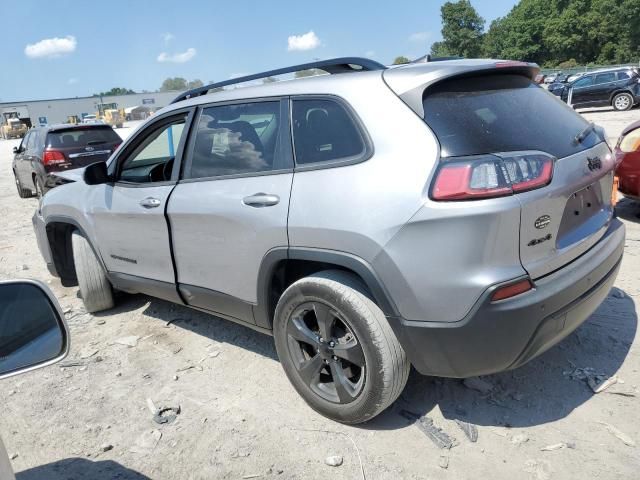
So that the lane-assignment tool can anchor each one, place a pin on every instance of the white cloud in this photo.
(51, 47)
(177, 57)
(72, 81)
(419, 36)
(167, 37)
(307, 41)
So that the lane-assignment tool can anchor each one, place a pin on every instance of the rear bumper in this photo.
(504, 335)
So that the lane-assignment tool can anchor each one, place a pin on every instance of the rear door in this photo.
(603, 86)
(510, 118)
(129, 214)
(231, 207)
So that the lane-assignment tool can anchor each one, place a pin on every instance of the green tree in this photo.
(551, 32)
(176, 83)
(401, 60)
(115, 91)
(197, 83)
(462, 31)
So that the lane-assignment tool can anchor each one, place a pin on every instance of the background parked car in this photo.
(619, 88)
(628, 159)
(46, 150)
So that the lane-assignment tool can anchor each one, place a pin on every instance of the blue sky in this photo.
(64, 48)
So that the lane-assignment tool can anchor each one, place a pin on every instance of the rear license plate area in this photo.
(580, 207)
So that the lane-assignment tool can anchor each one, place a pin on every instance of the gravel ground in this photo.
(240, 418)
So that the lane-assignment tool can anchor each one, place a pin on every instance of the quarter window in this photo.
(624, 76)
(153, 159)
(237, 139)
(323, 131)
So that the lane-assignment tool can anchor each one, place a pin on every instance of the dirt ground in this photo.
(88, 418)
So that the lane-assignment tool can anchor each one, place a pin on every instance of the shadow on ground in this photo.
(628, 210)
(537, 393)
(206, 325)
(541, 391)
(80, 469)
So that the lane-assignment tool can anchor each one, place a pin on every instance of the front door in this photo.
(231, 207)
(580, 91)
(129, 214)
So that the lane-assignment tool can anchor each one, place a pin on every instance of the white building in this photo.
(40, 112)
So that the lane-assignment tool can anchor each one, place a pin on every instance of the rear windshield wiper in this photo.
(579, 138)
(96, 142)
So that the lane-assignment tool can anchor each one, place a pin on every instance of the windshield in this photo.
(501, 113)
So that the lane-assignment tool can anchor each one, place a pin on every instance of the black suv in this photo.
(619, 87)
(54, 148)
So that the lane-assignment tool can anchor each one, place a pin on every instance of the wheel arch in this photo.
(281, 267)
(618, 92)
(59, 230)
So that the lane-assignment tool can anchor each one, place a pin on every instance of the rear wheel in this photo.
(622, 102)
(22, 192)
(337, 349)
(95, 288)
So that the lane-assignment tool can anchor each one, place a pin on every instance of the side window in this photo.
(25, 141)
(624, 76)
(323, 131)
(605, 78)
(33, 138)
(153, 158)
(583, 82)
(237, 139)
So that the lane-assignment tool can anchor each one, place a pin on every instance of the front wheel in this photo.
(337, 348)
(95, 288)
(622, 102)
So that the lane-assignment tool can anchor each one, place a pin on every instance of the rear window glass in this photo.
(81, 137)
(624, 75)
(501, 113)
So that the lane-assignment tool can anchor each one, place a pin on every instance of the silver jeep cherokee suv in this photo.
(449, 215)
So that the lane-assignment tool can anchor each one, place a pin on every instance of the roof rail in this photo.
(332, 66)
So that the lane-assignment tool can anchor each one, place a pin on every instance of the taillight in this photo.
(488, 176)
(53, 157)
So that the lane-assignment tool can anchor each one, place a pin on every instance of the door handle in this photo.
(150, 202)
(261, 200)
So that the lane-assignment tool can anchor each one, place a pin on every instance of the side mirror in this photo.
(16, 149)
(33, 333)
(96, 174)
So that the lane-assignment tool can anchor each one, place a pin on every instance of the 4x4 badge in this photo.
(594, 163)
(542, 222)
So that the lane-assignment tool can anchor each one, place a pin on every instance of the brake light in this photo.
(512, 290)
(53, 157)
(489, 176)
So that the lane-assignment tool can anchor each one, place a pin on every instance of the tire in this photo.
(622, 102)
(37, 181)
(22, 192)
(95, 288)
(359, 331)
